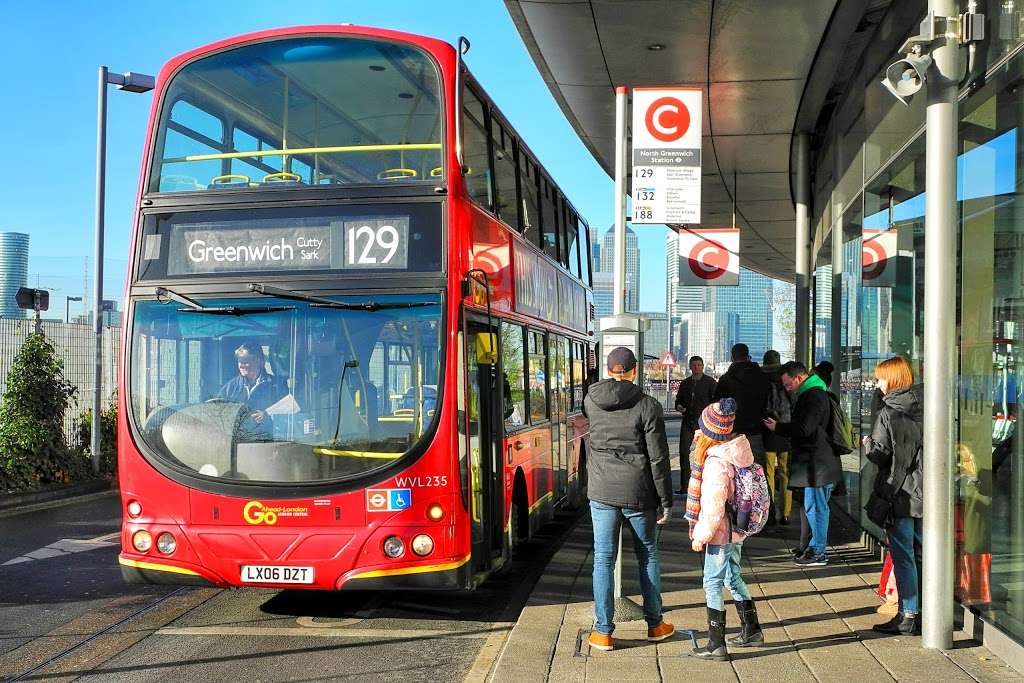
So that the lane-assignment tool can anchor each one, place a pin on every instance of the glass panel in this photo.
(515, 381)
(578, 375)
(989, 510)
(823, 304)
(570, 245)
(505, 173)
(477, 159)
(848, 363)
(549, 217)
(351, 110)
(587, 249)
(537, 377)
(528, 179)
(286, 392)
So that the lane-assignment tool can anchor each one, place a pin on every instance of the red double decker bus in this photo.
(359, 323)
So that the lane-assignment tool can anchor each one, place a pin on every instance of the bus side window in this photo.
(505, 174)
(478, 165)
(528, 193)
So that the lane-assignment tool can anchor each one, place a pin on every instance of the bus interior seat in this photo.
(397, 174)
(199, 435)
(229, 182)
(283, 179)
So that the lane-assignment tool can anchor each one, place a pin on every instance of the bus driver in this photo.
(254, 387)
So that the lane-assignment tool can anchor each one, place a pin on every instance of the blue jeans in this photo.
(816, 505)
(722, 568)
(607, 521)
(905, 548)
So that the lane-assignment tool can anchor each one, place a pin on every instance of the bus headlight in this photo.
(165, 543)
(394, 546)
(142, 541)
(423, 545)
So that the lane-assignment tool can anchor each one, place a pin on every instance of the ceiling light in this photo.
(654, 47)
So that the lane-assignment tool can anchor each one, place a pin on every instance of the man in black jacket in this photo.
(749, 387)
(696, 393)
(814, 465)
(629, 477)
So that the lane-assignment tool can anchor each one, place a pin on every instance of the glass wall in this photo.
(989, 511)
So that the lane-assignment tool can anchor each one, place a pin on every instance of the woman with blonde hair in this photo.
(896, 503)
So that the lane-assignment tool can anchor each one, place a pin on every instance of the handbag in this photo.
(799, 474)
(882, 501)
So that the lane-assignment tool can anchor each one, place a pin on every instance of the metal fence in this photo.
(76, 345)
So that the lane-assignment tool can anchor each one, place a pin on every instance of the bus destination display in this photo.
(367, 243)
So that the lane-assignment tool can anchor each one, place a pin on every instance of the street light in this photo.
(67, 307)
(132, 82)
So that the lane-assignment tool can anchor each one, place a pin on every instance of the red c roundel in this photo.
(708, 260)
(667, 119)
(873, 260)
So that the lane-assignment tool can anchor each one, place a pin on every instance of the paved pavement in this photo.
(817, 622)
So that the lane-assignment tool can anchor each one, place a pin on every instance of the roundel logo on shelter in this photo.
(709, 257)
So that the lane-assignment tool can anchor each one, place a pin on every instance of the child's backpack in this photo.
(748, 509)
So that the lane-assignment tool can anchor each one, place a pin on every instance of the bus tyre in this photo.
(513, 528)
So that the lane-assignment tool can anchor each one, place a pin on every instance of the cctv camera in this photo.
(905, 77)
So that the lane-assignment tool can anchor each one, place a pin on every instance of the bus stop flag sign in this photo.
(666, 155)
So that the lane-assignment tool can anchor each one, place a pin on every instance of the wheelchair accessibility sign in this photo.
(388, 500)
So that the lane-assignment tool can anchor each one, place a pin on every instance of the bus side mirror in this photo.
(487, 349)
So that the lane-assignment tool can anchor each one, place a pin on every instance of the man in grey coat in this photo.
(629, 479)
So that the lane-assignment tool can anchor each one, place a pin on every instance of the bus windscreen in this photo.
(301, 112)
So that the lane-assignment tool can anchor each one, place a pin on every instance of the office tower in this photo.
(13, 271)
(752, 302)
(656, 336)
(709, 335)
(632, 265)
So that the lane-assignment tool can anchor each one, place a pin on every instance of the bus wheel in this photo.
(518, 515)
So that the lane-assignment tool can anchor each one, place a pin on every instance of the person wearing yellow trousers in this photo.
(777, 447)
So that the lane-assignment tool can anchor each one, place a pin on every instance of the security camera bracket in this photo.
(968, 27)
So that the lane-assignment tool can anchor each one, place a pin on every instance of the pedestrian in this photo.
(629, 479)
(824, 370)
(776, 446)
(694, 395)
(897, 501)
(713, 533)
(745, 383)
(813, 465)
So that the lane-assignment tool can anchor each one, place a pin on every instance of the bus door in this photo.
(487, 486)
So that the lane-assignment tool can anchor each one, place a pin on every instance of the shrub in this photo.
(33, 449)
(108, 437)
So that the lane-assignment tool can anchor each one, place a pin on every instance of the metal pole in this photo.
(838, 357)
(619, 260)
(939, 336)
(803, 247)
(97, 317)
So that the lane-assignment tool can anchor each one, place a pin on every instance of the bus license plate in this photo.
(268, 574)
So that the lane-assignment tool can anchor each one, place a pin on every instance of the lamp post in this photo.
(67, 307)
(132, 82)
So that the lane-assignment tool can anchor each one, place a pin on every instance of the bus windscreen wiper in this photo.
(162, 294)
(321, 302)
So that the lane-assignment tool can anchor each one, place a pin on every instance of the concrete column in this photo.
(940, 335)
(619, 260)
(803, 247)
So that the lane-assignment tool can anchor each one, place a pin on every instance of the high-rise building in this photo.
(823, 314)
(632, 265)
(752, 302)
(595, 250)
(604, 293)
(656, 336)
(681, 299)
(13, 271)
(709, 335)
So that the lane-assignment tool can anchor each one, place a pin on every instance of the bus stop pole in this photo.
(97, 313)
(625, 609)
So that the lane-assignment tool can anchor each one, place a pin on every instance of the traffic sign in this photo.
(668, 360)
(667, 126)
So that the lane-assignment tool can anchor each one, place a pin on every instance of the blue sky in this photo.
(52, 50)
